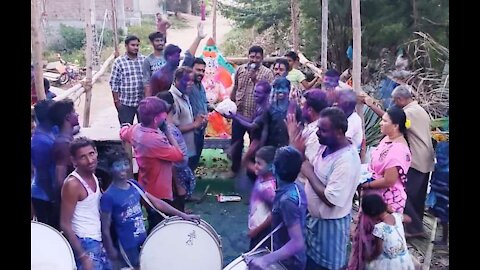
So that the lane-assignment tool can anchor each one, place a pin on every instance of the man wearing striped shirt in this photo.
(126, 81)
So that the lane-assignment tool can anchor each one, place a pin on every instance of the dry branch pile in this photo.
(430, 86)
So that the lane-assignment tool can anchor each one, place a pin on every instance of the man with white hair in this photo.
(346, 100)
(421, 147)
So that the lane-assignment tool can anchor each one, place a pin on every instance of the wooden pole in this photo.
(37, 49)
(357, 62)
(214, 20)
(357, 46)
(90, 22)
(295, 14)
(324, 33)
(114, 28)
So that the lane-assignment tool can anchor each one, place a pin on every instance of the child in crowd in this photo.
(261, 200)
(121, 211)
(390, 251)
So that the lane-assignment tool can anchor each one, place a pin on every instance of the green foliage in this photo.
(74, 38)
(385, 23)
(76, 57)
(373, 134)
(142, 32)
(261, 14)
(441, 123)
(236, 42)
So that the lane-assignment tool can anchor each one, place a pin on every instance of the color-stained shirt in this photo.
(150, 65)
(126, 213)
(340, 173)
(41, 151)
(183, 115)
(155, 156)
(261, 200)
(289, 208)
(127, 79)
(244, 88)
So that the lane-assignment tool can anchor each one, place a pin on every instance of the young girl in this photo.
(390, 250)
(261, 200)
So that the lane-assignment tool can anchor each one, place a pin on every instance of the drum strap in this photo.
(265, 239)
(274, 230)
(124, 255)
(144, 196)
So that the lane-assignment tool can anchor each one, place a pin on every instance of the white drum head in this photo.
(49, 249)
(240, 264)
(177, 244)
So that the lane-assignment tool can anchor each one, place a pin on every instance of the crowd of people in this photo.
(303, 159)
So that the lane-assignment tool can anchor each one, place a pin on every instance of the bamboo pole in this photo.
(324, 34)
(357, 62)
(77, 90)
(428, 256)
(294, 13)
(357, 45)
(214, 20)
(96, 75)
(114, 28)
(37, 49)
(90, 28)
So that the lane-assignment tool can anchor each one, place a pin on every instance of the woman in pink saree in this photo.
(389, 165)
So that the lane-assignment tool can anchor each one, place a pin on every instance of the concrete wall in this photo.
(72, 13)
(149, 7)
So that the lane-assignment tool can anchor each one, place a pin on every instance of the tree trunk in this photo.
(295, 16)
(357, 57)
(37, 49)
(188, 6)
(90, 51)
(415, 15)
(324, 33)
(121, 21)
(214, 20)
(114, 28)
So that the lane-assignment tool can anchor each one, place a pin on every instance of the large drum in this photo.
(240, 263)
(49, 249)
(178, 244)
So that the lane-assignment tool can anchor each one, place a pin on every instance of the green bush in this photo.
(74, 38)
(237, 42)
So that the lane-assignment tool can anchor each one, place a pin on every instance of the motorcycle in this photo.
(60, 72)
(56, 73)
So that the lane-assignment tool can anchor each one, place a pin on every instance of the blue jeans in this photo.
(238, 131)
(96, 252)
(199, 137)
(126, 114)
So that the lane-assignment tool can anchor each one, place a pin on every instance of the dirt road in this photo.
(103, 115)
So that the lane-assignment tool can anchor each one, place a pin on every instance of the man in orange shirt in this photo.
(155, 149)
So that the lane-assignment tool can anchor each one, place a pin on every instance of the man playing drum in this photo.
(289, 208)
(120, 206)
